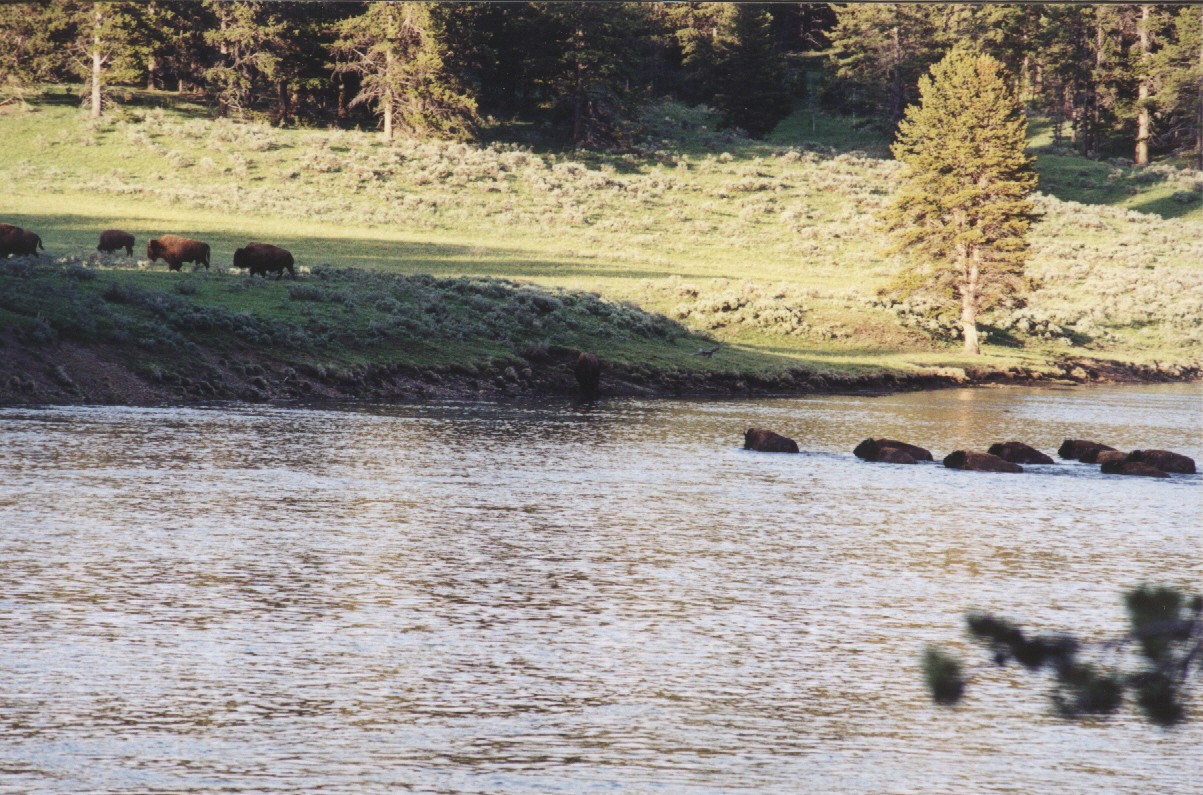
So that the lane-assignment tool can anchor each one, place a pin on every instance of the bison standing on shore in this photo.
(588, 375)
(261, 258)
(176, 250)
(114, 239)
(18, 242)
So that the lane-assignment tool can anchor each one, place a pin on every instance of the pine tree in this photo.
(27, 55)
(748, 71)
(879, 51)
(257, 46)
(104, 43)
(964, 210)
(395, 50)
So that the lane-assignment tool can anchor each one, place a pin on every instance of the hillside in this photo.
(773, 248)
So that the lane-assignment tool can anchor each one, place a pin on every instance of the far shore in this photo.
(70, 373)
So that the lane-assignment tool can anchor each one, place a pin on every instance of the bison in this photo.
(979, 462)
(588, 374)
(1136, 468)
(263, 258)
(892, 455)
(872, 449)
(1165, 461)
(176, 250)
(114, 239)
(18, 242)
(1110, 456)
(763, 440)
(1019, 453)
(1081, 450)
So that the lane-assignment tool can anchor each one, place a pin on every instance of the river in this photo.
(551, 597)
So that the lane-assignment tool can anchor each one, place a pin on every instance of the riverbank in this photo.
(70, 372)
(83, 330)
(772, 248)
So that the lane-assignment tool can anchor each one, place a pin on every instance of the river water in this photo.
(553, 597)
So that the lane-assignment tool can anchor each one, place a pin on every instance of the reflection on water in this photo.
(515, 598)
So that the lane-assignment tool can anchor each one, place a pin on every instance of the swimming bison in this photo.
(1019, 453)
(1081, 450)
(175, 251)
(763, 440)
(263, 258)
(18, 242)
(1165, 461)
(875, 450)
(1132, 468)
(979, 462)
(113, 239)
(588, 374)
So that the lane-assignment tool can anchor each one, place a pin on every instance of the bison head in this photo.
(154, 249)
(240, 258)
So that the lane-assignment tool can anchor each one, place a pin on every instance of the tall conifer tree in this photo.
(394, 49)
(963, 212)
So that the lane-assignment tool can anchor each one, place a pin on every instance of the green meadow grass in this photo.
(774, 247)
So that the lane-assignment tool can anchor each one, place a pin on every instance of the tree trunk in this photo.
(1142, 119)
(342, 100)
(152, 68)
(387, 99)
(97, 63)
(282, 103)
(897, 100)
(969, 291)
(1199, 109)
(578, 105)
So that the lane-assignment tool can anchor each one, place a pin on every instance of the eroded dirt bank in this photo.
(70, 373)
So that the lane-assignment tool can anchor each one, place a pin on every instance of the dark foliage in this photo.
(1166, 627)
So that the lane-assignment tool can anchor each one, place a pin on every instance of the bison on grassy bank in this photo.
(113, 239)
(18, 242)
(176, 250)
(263, 258)
(762, 440)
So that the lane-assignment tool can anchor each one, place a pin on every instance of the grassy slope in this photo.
(772, 247)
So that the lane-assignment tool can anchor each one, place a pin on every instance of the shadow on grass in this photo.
(78, 234)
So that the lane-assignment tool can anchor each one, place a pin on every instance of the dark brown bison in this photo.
(763, 440)
(113, 239)
(18, 242)
(871, 449)
(1165, 461)
(1110, 456)
(1019, 453)
(263, 258)
(176, 250)
(1081, 450)
(979, 462)
(588, 374)
(1136, 468)
(892, 455)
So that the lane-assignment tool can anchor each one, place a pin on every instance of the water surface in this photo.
(561, 598)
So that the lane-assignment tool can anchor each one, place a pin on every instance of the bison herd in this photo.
(259, 259)
(1001, 457)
